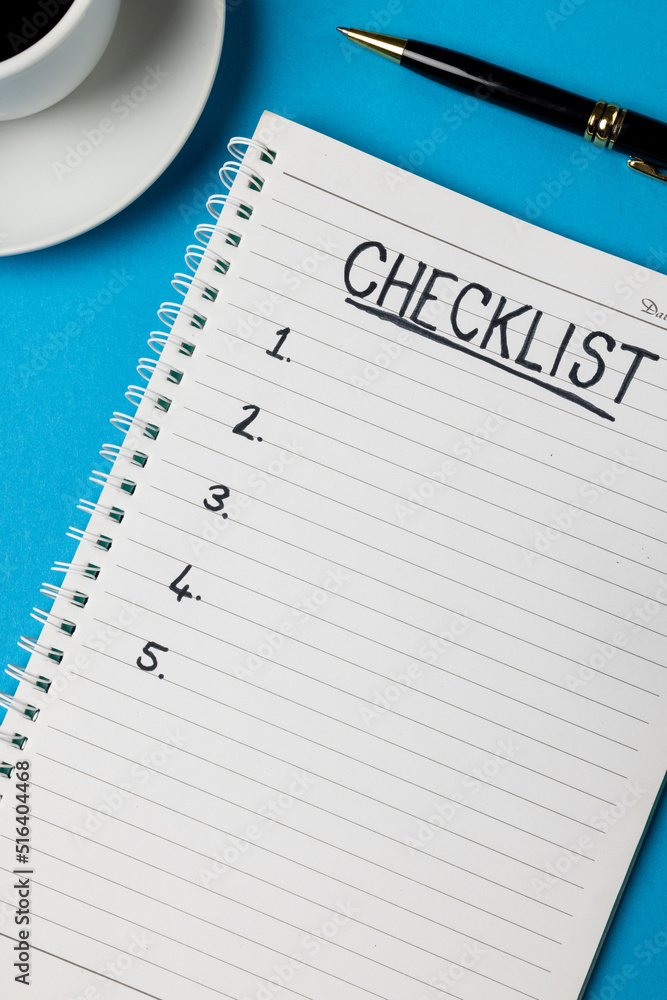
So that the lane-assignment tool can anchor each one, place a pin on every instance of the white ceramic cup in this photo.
(51, 68)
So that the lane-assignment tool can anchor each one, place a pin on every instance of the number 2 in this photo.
(241, 426)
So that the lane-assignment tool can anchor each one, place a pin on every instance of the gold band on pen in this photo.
(604, 124)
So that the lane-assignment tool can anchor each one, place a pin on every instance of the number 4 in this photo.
(183, 591)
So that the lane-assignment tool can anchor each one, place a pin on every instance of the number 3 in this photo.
(218, 497)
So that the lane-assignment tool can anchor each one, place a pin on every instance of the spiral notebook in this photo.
(353, 688)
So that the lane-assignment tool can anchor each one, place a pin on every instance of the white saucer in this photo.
(76, 164)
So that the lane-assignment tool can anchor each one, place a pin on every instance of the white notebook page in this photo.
(396, 591)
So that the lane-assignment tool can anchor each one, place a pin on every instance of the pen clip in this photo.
(647, 168)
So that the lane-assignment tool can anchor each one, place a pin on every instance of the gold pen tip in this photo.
(384, 45)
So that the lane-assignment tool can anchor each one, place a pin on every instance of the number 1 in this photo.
(282, 337)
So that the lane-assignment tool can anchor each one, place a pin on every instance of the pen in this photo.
(601, 122)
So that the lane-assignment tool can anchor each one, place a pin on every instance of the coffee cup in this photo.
(47, 48)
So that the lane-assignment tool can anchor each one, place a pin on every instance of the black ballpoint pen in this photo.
(601, 122)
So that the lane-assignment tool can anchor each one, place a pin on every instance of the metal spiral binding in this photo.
(136, 393)
(30, 711)
(159, 339)
(230, 170)
(21, 674)
(75, 597)
(46, 618)
(16, 740)
(108, 479)
(217, 202)
(123, 423)
(204, 232)
(191, 287)
(114, 513)
(112, 451)
(184, 282)
(88, 570)
(35, 646)
(234, 146)
(148, 366)
(195, 254)
(81, 535)
(169, 312)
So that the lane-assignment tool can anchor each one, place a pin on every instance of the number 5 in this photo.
(148, 651)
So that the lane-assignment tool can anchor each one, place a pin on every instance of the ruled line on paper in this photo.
(283, 889)
(330, 878)
(142, 958)
(290, 892)
(418, 723)
(472, 253)
(523, 519)
(461, 348)
(444, 423)
(322, 777)
(253, 941)
(547, 556)
(435, 859)
(468, 311)
(374, 736)
(311, 836)
(346, 819)
(537, 677)
(253, 972)
(425, 600)
(475, 683)
(84, 968)
(468, 586)
(255, 878)
(352, 447)
(491, 356)
(473, 374)
(542, 649)
(394, 649)
(366, 861)
(567, 394)
(401, 376)
(398, 465)
(466, 555)
(246, 938)
(333, 750)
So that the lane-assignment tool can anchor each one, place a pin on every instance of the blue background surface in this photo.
(60, 390)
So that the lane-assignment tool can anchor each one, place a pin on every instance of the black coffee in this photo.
(24, 22)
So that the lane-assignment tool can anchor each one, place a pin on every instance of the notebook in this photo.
(353, 687)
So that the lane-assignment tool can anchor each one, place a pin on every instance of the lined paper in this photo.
(366, 701)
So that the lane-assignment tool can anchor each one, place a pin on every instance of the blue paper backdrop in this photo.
(59, 391)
